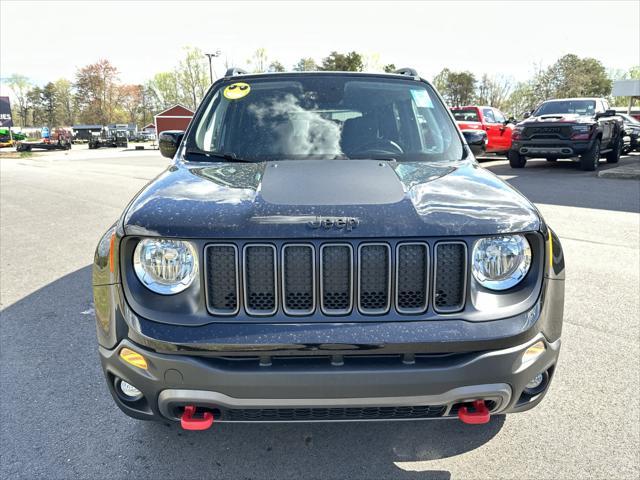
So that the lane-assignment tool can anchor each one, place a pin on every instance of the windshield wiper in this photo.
(229, 157)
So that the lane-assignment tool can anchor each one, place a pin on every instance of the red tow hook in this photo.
(479, 416)
(188, 422)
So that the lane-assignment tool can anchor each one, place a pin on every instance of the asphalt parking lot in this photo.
(58, 420)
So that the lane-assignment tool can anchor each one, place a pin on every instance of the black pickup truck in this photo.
(568, 128)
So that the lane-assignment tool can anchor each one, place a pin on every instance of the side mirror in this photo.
(474, 137)
(526, 114)
(169, 141)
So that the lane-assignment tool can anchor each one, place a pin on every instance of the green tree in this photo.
(193, 77)
(306, 64)
(65, 105)
(572, 76)
(164, 90)
(390, 68)
(341, 62)
(276, 66)
(20, 86)
(458, 88)
(493, 91)
(35, 107)
(49, 101)
(97, 92)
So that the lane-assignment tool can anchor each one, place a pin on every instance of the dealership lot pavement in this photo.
(58, 420)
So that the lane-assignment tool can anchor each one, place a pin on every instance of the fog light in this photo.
(537, 384)
(129, 390)
(533, 352)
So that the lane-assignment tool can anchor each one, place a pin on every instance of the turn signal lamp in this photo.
(133, 358)
(533, 352)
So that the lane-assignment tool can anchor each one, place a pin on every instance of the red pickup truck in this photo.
(489, 119)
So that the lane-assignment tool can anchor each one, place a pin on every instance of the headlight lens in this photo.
(165, 266)
(500, 263)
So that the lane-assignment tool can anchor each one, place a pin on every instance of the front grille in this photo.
(260, 279)
(412, 268)
(335, 278)
(328, 414)
(375, 279)
(222, 279)
(450, 276)
(298, 279)
(547, 132)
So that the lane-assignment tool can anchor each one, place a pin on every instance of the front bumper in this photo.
(313, 389)
(560, 148)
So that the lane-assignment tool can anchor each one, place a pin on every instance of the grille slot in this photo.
(336, 279)
(412, 273)
(298, 279)
(260, 279)
(222, 279)
(328, 414)
(450, 276)
(374, 261)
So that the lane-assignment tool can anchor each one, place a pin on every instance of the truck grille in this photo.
(547, 132)
(335, 278)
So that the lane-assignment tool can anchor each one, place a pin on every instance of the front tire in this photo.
(590, 160)
(516, 160)
(614, 155)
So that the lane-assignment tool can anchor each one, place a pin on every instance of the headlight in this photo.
(165, 266)
(500, 263)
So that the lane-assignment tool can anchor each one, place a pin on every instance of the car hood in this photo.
(558, 118)
(294, 199)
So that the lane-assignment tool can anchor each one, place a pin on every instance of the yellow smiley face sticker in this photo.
(236, 90)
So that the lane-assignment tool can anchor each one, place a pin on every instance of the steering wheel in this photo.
(381, 146)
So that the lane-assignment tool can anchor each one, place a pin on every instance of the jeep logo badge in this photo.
(339, 223)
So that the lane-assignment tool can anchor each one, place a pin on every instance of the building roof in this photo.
(175, 110)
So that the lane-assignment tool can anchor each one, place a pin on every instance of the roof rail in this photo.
(407, 71)
(233, 71)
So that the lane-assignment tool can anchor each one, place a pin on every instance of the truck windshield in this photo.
(580, 107)
(326, 117)
(465, 115)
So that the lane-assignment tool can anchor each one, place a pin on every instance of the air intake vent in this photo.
(260, 279)
(298, 279)
(450, 276)
(222, 279)
(375, 278)
(336, 283)
(412, 272)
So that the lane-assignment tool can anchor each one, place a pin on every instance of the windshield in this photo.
(465, 115)
(580, 107)
(326, 117)
(629, 119)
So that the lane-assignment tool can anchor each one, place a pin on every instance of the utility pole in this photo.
(216, 54)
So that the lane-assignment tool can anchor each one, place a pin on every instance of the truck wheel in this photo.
(614, 155)
(516, 160)
(590, 160)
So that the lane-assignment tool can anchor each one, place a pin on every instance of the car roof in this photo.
(398, 76)
(571, 99)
